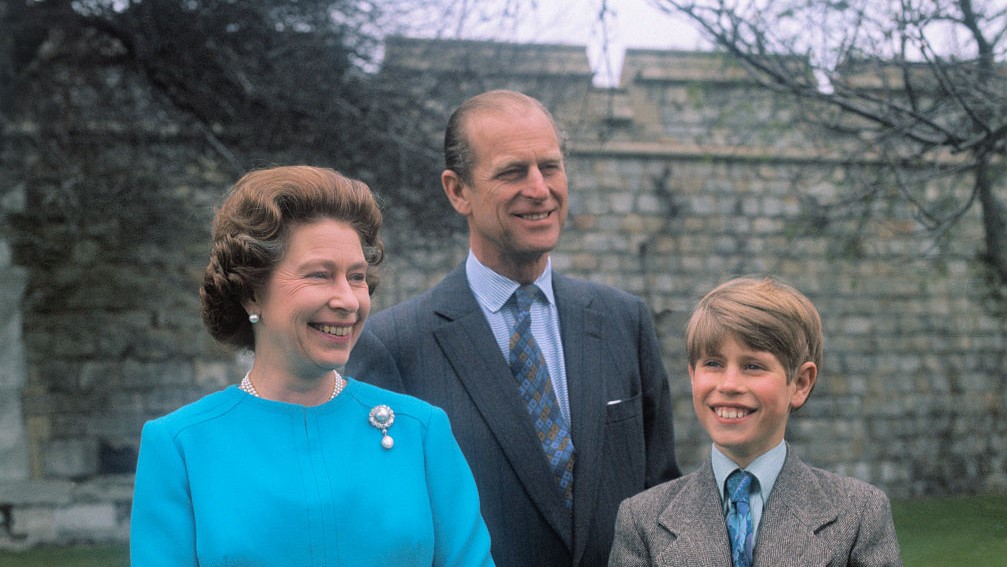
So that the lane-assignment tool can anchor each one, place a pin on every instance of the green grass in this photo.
(939, 532)
(90, 556)
(946, 532)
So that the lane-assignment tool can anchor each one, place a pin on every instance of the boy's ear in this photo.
(804, 382)
(454, 188)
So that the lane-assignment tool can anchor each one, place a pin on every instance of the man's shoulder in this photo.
(416, 306)
(410, 305)
(569, 286)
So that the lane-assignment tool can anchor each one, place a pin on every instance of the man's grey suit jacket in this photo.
(812, 518)
(439, 347)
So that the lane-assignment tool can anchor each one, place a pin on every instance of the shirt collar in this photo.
(766, 468)
(493, 290)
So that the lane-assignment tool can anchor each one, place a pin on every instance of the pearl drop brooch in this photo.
(382, 417)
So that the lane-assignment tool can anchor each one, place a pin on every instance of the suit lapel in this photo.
(467, 342)
(796, 510)
(695, 518)
(581, 331)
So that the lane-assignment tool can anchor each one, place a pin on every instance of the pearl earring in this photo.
(253, 318)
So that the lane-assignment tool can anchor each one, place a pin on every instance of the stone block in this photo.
(214, 375)
(13, 198)
(29, 493)
(13, 280)
(71, 458)
(996, 483)
(702, 205)
(621, 203)
(13, 441)
(584, 262)
(650, 204)
(632, 223)
(108, 488)
(85, 519)
(584, 221)
(33, 524)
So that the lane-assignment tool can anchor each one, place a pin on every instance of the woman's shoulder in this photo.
(204, 409)
(403, 405)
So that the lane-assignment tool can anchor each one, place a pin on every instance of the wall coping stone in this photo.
(41, 492)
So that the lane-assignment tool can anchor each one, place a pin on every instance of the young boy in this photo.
(755, 347)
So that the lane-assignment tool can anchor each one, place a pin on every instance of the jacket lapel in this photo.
(694, 518)
(467, 342)
(581, 331)
(796, 511)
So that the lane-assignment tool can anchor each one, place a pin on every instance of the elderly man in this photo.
(555, 387)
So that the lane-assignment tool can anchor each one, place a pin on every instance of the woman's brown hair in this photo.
(251, 230)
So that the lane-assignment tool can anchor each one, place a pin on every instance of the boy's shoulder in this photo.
(848, 517)
(799, 483)
(696, 487)
(839, 487)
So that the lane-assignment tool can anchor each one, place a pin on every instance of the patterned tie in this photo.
(528, 366)
(739, 518)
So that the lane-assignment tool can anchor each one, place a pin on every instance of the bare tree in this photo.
(260, 81)
(921, 83)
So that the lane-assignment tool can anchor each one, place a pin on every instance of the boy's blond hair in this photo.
(765, 314)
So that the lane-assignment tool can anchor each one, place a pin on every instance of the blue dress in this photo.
(237, 480)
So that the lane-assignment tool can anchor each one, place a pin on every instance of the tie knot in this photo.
(525, 296)
(739, 485)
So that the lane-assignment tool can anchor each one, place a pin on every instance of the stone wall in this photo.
(13, 371)
(686, 174)
(689, 173)
(115, 192)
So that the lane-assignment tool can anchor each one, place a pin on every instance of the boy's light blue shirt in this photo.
(766, 468)
(493, 292)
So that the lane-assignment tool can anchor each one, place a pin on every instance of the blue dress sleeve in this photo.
(460, 534)
(162, 529)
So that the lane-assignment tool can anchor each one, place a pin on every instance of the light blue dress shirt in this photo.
(766, 468)
(493, 292)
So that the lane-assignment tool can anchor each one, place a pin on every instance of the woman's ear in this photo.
(250, 305)
(804, 382)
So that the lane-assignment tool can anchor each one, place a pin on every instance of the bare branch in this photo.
(921, 81)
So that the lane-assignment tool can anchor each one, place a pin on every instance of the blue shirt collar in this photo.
(766, 468)
(493, 290)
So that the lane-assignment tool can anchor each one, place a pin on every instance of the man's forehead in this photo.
(504, 139)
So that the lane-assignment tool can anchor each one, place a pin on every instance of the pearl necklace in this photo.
(247, 386)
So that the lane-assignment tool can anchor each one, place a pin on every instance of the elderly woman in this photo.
(299, 465)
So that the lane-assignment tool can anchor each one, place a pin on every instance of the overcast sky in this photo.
(629, 24)
(632, 23)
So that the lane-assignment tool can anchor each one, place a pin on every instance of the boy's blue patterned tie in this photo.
(528, 366)
(739, 518)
